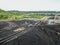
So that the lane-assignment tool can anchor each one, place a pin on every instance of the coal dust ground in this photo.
(29, 32)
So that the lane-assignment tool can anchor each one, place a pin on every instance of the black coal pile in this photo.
(24, 22)
(39, 34)
(3, 24)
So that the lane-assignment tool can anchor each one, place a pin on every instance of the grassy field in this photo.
(5, 15)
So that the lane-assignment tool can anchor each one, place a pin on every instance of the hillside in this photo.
(14, 15)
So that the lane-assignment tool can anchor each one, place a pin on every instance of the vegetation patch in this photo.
(6, 15)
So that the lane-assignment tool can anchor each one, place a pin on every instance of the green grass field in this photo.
(5, 15)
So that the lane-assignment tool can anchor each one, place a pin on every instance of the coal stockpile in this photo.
(35, 37)
(24, 22)
(3, 24)
(13, 29)
(53, 31)
(29, 35)
(40, 36)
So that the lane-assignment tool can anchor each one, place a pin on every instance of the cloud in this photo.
(29, 5)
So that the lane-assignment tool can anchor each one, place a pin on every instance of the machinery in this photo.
(54, 20)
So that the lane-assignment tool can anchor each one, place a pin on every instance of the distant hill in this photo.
(16, 11)
(15, 14)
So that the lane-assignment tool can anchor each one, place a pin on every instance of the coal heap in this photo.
(31, 35)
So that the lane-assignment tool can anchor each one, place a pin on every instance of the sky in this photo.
(30, 5)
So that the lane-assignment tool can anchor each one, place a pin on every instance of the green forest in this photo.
(16, 15)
